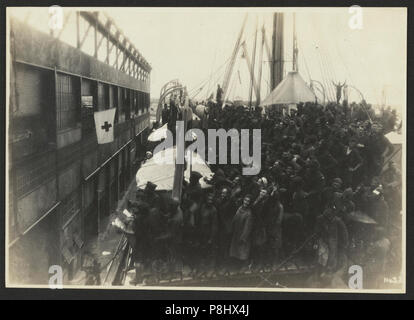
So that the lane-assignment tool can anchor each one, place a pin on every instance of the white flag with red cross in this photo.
(104, 124)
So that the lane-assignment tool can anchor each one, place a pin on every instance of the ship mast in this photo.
(295, 45)
(276, 65)
(252, 68)
(230, 66)
(259, 81)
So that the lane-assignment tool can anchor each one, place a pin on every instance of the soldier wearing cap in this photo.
(242, 226)
(150, 197)
(174, 234)
(207, 229)
(332, 233)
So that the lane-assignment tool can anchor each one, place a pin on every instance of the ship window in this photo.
(67, 95)
(103, 96)
(88, 105)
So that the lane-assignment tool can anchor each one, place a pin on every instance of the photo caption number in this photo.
(229, 310)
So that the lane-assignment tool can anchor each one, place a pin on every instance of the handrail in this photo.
(111, 262)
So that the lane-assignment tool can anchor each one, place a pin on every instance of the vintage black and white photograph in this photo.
(241, 149)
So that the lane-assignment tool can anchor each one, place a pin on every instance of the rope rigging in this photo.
(329, 70)
(321, 69)
(327, 73)
(344, 64)
(233, 84)
(328, 56)
(329, 76)
(216, 79)
(323, 79)
(198, 88)
(305, 61)
(205, 81)
(212, 68)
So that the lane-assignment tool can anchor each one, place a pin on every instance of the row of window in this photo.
(40, 104)
(78, 98)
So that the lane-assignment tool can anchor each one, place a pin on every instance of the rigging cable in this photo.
(329, 68)
(329, 86)
(233, 80)
(329, 75)
(364, 66)
(330, 64)
(202, 84)
(323, 78)
(211, 75)
(306, 63)
(352, 82)
(344, 64)
(216, 78)
(319, 59)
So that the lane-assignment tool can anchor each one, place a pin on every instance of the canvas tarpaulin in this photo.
(162, 174)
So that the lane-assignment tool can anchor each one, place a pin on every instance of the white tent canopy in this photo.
(292, 90)
(162, 174)
(158, 134)
(161, 133)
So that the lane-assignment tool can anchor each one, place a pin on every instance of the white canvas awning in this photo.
(161, 133)
(162, 174)
(292, 90)
(158, 134)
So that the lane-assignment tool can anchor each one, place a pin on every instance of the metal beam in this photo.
(123, 61)
(84, 36)
(107, 50)
(102, 28)
(65, 22)
(77, 30)
(95, 35)
(118, 52)
(100, 42)
(112, 45)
